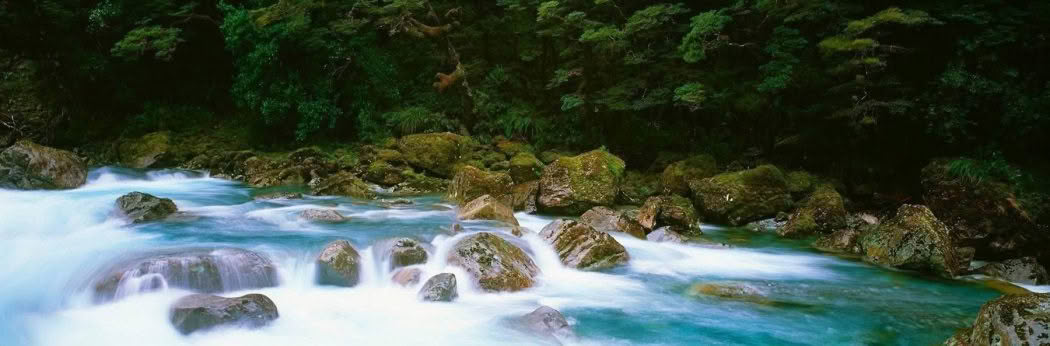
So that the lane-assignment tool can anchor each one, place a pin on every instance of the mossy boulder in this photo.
(845, 241)
(383, 173)
(1017, 319)
(605, 219)
(434, 152)
(418, 184)
(740, 197)
(800, 182)
(344, 184)
(494, 264)
(513, 148)
(676, 176)
(145, 152)
(27, 165)
(339, 264)
(571, 185)
(913, 239)
(549, 156)
(198, 312)
(143, 207)
(472, 182)
(822, 212)
(582, 247)
(638, 186)
(672, 210)
(487, 207)
(525, 167)
(389, 155)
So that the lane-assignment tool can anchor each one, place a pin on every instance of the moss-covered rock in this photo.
(913, 239)
(523, 196)
(571, 185)
(494, 264)
(472, 182)
(145, 152)
(389, 155)
(549, 156)
(513, 148)
(434, 152)
(582, 247)
(1019, 319)
(401, 252)
(339, 264)
(800, 182)
(383, 173)
(419, 184)
(344, 184)
(638, 186)
(27, 165)
(605, 219)
(676, 177)
(525, 167)
(741, 197)
(822, 212)
(673, 210)
(846, 241)
(487, 207)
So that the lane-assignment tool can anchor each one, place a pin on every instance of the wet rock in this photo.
(547, 322)
(472, 182)
(741, 197)
(842, 241)
(487, 208)
(571, 185)
(666, 234)
(732, 291)
(605, 219)
(821, 213)
(407, 276)
(322, 215)
(433, 152)
(344, 184)
(27, 165)
(494, 264)
(1025, 270)
(393, 203)
(582, 247)
(457, 228)
(676, 177)
(765, 225)
(670, 210)
(383, 173)
(145, 152)
(143, 207)
(439, 288)
(419, 184)
(637, 187)
(913, 239)
(200, 270)
(339, 264)
(1020, 319)
(199, 312)
(523, 196)
(279, 195)
(525, 167)
(402, 252)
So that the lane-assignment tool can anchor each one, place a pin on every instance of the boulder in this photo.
(845, 241)
(389, 155)
(471, 182)
(1025, 270)
(800, 182)
(545, 321)
(278, 195)
(1017, 319)
(638, 186)
(143, 207)
(200, 312)
(418, 184)
(383, 173)
(605, 219)
(767, 225)
(494, 264)
(201, 270)
(402, 252)
(487, 208)
(672, 210)
(666, 234)
(582, 247)
(339, 264)
(822, 212)
(322, 215)
(344, 184)
(571, 185)
(439, 288)
(27, 165)
(523, 196)
(525, 167)
(513, 148)
(676, 176)
(434, 152)
(146, 151)
(549, 156)
(913, 239)
(741, 197)
(407, 276)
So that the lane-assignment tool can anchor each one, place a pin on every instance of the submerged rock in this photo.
(407, 276)
(322, 215)
(741, 197)
(279, 195)
(580, 246)
(605, 219)
(547, 322)
(487, 208)
(439, 288)
(1025, 270)
(339, 264)
(344, 184)
(676, 177)
(822, 212)
(434, 152)
(27, 165)
(732, 291)
(471, 182)
(143, 207)
(146, 151)
(666, 234)
(494, 264)
(571, 185)
(1021, 319)
(913, 239)
(402, 252)
(201, 270)
(200, 312)
(671, 210)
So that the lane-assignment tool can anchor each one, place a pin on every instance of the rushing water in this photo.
(56, 243)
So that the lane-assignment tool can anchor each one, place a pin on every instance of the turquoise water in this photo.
(55, 243)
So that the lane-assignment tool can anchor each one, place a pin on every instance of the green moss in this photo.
(744, 196)
(676, 176)
(525, 167)
(800, 182)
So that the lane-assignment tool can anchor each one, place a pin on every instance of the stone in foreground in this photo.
(913, 239)
(201, 270)
(199, 312)
(143, 207)
(339, 264)
(1017, 319)
(494, 264)
(439, 288)
(582, 247)
(27, 165)
(487, 208)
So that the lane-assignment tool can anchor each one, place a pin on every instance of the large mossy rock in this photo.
(821, 213)
(439, 288)
(525, 167)
(582, 247)
(1020, 319)
(145, 152)
(676, 177)
(984, 214)
(200, 270)
(494, 264)
(1025, 270)
(339, 264)
(200, 312)
(383, 173)
(513, 148)
(740, 197)
(571, 185)
(605, 219)
(471, 182)
(638, 186)
(844, 241)
(487, 208)
(434, 152)
(27, 165)
(672, 210)
(913, 239)
(344, 184)
(143, 207)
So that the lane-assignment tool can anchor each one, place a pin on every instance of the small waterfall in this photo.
(202, 270)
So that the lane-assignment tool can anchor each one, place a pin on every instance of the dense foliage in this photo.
(854, 87)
